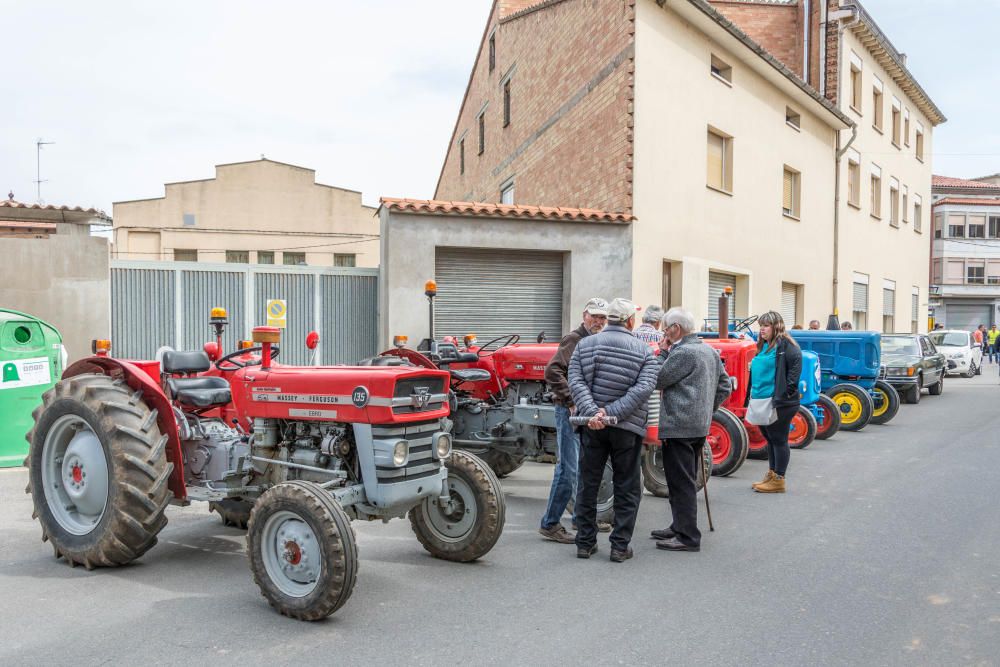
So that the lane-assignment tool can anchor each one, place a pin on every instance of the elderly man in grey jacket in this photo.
(611, 374)
(694, 383)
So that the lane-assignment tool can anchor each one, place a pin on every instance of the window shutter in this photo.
(888, 301)
(915, 307)
(716, 153)
(787, 192)
(789, 299)
(860, 298)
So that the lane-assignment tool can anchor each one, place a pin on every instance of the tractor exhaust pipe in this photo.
(727, 293)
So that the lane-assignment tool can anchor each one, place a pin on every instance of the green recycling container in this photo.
(31, 361)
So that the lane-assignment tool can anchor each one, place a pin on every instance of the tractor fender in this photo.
(152, 393)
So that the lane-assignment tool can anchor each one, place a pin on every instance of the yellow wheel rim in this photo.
(881, 404)
(850, 407)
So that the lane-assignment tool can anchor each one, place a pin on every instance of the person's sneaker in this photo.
(662, 534)
(602, 526)
(586, 552)
(557, 533)
(621, 556)
(673, 544)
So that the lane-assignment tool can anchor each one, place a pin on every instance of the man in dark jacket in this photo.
(694, 383)
(595, 316)
(611, 374)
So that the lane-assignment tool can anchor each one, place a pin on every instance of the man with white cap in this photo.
(564, 479)
(611, 374)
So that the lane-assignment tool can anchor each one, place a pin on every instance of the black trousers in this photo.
(776, 435)
(624, 448)
(681, 467)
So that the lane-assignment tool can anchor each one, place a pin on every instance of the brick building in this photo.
(719, 126)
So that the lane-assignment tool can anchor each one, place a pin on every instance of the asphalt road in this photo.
(885, 551)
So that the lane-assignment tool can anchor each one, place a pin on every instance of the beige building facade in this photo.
(258, 212)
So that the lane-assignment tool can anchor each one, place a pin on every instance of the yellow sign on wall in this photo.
(277, 312)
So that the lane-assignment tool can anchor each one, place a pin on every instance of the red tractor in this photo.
(293, 453)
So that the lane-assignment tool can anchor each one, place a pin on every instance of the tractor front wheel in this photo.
(830, 414)
(886, 402)
(98, 471)
(302, 550)
(854, 403)
(802, 430)
(470, 523)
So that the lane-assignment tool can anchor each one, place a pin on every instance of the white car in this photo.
(963, 355)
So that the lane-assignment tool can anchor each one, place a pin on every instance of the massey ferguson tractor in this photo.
(294, 453)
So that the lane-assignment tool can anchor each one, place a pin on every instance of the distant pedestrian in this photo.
(774, 374)
(694, 383)
(981, 330)
(567, 471)
(797, 327)
(991, 340)
(649, 331)
(813, 325)
(846, 326)
(611, 374)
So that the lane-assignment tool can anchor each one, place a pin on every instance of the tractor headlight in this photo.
(400, 453)
(442, 445)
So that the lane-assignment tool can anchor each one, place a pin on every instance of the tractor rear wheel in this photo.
(758, 443)
(729, 442)
(854, 403)
(605, 497)
(830, 418)
(302, 550)
(501, 463)
(98, 471)
(802, 430)
(235, 512)
(653, 478)
(471, 523)
(886, 402)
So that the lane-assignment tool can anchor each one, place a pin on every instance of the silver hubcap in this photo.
(606, 491)
(75, 475)
(452, 522)
(291, 554)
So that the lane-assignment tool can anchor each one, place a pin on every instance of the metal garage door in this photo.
(789, 303)
(716, 283)
(498, 292)
(965, 316)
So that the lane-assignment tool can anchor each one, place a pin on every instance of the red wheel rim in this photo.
(827, 419)
(798, 431)
(757, 440)
(720, 442)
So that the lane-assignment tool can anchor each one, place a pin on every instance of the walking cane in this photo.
(708, 508)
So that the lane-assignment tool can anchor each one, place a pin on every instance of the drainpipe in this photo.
(836, 212)
(807, 25)
(822, 46)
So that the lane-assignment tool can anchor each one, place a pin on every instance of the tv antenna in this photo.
(38, 165)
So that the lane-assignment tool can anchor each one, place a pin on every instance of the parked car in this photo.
(964, 356)
(912, 363)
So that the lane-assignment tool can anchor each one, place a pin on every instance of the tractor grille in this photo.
(421, 462)
(653, 409)
(418, 395)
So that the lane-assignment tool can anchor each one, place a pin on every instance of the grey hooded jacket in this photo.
(616, 371)
(694, 383)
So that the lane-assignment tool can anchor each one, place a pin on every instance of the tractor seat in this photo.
(203, 392)
(388, 360)
(175, 361)
(471, 375)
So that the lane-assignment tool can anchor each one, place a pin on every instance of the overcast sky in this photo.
(136, 94)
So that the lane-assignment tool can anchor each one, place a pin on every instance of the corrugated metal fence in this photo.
(168, 303)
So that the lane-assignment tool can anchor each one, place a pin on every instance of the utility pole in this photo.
(38, 165)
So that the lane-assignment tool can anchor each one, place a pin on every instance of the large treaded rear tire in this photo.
(654, 479)
(729, 442)
(474, 488)
(304, 503)
(137, 470)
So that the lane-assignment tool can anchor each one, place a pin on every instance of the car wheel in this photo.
(979, 367)
(972, 369)
(917, 391)
(938, 387)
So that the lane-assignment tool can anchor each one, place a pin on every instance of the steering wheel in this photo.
(507, 340)
(745, 323)
(233, 364)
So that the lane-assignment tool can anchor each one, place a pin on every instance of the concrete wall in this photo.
(699, 229)
(63, 280)
(251, 206)
(868, 245)
(599, 258)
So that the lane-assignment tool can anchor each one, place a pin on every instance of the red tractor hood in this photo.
(356, 394)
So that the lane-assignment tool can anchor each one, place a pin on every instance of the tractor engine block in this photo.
(211, 449)
(310, 448)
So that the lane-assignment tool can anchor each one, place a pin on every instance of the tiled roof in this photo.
(97, 213)
(480, 209)
(968, 201)
(949, 182)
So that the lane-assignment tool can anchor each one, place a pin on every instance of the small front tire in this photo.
(854, 403)
(887, 404)
(831, 418)
(802, 430)
(937, 388)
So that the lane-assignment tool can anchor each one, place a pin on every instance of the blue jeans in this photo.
(567, 471)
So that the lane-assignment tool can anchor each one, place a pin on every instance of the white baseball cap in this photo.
(597, 306)
(621, 309)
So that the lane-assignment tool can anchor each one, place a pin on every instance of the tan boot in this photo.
(774, 485)
(767, 478)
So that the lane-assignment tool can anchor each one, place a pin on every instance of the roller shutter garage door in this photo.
(497, 293)
(966, 316)
(716, 283)
(789, 303)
